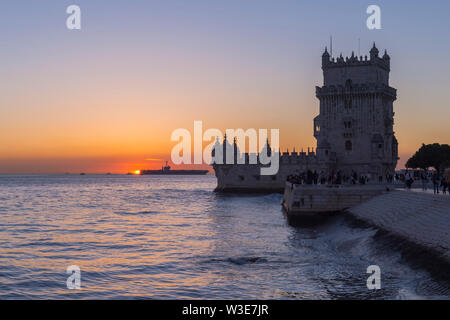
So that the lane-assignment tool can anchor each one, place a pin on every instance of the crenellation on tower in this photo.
(337, 71)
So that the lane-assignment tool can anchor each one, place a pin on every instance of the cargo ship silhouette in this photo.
(165, 170)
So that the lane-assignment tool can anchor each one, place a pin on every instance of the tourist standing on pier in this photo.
(323, 179)
(409, 180)
(424, 178)
(436, 183)
(315, 177)
(447, 179)
(444, 185)
(354, 177)
(309, 177)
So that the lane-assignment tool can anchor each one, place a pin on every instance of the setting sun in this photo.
(137, 172)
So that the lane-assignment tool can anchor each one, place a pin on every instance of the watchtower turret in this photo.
(374, 52)
(325, 58)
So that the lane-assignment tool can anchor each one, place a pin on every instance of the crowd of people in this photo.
(333, 177)
(440, 182)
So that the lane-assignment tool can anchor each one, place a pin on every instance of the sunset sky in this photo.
(107, 97)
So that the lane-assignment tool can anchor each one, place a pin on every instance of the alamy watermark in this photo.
(374, 20)
(74, 280)
(374, 280)
(227, 153)
(73, 22)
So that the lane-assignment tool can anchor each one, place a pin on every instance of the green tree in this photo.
(431, 155)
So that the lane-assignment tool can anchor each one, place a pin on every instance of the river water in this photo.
(172, 237)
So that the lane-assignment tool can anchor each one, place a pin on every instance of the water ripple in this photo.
(139, 237)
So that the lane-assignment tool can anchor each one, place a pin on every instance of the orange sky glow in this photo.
(107, 98)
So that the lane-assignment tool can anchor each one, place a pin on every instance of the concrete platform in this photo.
(313, 200)
(419, 217)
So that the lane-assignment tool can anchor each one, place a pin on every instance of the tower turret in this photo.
(235, 150)
(267, 149)
(224, 148)
(325, 57)
(216, 150)
(387, 59)
(374, 52)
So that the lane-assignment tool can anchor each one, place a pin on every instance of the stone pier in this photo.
(316, 201)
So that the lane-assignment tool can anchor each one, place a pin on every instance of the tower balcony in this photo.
(316, 127)
(356, 89)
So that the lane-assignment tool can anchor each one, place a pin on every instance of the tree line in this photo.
(434, 155)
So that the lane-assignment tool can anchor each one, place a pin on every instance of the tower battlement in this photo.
(245, 158)
(352, 89)
(367, 69)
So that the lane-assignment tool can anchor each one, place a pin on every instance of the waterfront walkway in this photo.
(418, 216)
(428, 191)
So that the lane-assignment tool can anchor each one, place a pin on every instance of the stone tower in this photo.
(354, 129)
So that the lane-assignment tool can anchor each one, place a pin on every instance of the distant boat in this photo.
(167, 171)
(82, 174)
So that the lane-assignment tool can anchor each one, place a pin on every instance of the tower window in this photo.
(348, 145)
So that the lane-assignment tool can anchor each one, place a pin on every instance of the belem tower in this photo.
(354, 129)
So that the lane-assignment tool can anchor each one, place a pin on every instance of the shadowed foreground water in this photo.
(172, 237)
